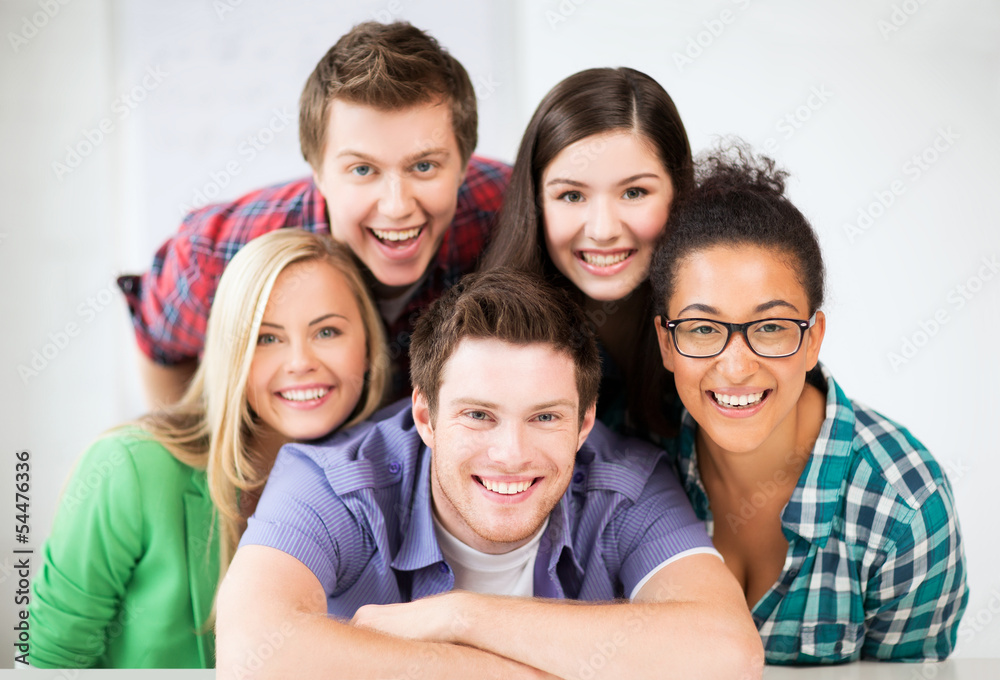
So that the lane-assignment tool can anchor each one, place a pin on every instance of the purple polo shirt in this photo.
(356, 510)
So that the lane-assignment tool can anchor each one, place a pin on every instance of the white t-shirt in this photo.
(512, 573)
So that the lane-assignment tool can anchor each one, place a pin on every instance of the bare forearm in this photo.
(164, 385)
(315, 646)
(651, 640)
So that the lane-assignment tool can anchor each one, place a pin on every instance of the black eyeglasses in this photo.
(768, 338)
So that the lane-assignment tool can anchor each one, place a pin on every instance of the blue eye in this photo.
(477, 415)
(423, 166)
(571, 196)
(547, 417)
(361, 170)
(328, 332)
(266, 339)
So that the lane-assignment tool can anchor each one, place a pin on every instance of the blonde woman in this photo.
(154, 510)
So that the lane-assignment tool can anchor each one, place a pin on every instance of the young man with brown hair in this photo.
(443, 539)
(387, 122)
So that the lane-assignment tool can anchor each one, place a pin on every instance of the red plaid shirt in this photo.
(170, 303)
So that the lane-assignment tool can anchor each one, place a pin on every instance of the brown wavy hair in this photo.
(591, 102)
(387, 67)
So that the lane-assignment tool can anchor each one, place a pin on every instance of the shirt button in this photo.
(394, 468)
(578, 477)
(127, 283)
(443, 568)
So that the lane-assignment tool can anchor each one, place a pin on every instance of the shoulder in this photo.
(617, 463)
(900, 462)
(289, 204)
(123, 462)
(896, 490)
(376, 453)
(485, 182)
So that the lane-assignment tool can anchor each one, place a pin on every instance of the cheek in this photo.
(257, 382)
(439, 197)
(559, 233)
(347, 207)
(649, 224)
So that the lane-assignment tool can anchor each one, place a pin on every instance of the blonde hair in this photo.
(212, 426)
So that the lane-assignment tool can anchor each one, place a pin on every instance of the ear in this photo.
(666, 345)
(422, 418)
(589, 416)
(815, 340)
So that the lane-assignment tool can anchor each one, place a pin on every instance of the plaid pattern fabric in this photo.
(170, 303)
(875, 567)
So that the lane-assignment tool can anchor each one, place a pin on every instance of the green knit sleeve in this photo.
(88, 559)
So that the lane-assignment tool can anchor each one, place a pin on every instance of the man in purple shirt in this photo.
(440, 540)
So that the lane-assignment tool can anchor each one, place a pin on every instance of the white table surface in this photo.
(952, 669)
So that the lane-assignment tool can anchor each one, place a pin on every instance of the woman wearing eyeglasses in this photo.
(837, 522)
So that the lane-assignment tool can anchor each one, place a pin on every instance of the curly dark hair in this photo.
(739, 200)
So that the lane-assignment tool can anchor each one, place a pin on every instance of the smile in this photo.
(397, 237)
(506, 488)
(304, 395)
(740, 401)
(602, 260)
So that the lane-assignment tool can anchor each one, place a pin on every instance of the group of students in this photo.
(700, 292)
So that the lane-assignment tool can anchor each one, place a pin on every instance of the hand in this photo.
(432, 619)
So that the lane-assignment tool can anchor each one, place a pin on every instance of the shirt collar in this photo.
(822, 484)
(815, 499)
(419, 547)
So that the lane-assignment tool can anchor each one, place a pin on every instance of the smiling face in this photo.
(391, 179)
(308, 369)
(504, 440)
(605, 200)
(737, 285)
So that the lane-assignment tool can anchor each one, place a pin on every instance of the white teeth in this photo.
(604, 260)
(397, 235)
(734, 401)
(506, 488)
(304, 395)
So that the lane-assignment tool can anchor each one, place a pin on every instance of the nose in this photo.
(511, 449)
(397, 200)
(737, 361)
(301, 358)
(603, 225)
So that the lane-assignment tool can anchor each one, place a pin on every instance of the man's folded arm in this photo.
(688, 621)
(272, 622)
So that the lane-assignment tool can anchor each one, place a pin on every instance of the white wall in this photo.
(216, 72)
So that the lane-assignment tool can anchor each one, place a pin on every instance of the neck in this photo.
(268, 442)
(779, 460)
(617, 324)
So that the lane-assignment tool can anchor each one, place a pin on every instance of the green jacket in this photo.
(130, 569)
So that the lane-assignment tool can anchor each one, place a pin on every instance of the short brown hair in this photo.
(387, 67)
(512, 306)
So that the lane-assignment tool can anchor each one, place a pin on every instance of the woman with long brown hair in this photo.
(602, 160)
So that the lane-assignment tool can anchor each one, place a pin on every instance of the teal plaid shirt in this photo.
(875, 567)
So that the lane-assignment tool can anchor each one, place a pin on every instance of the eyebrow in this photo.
(641, 175)
(536, 407)
(438, 151)
(627, 180)
(561, 180)
(311, 323)
(763, 307)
